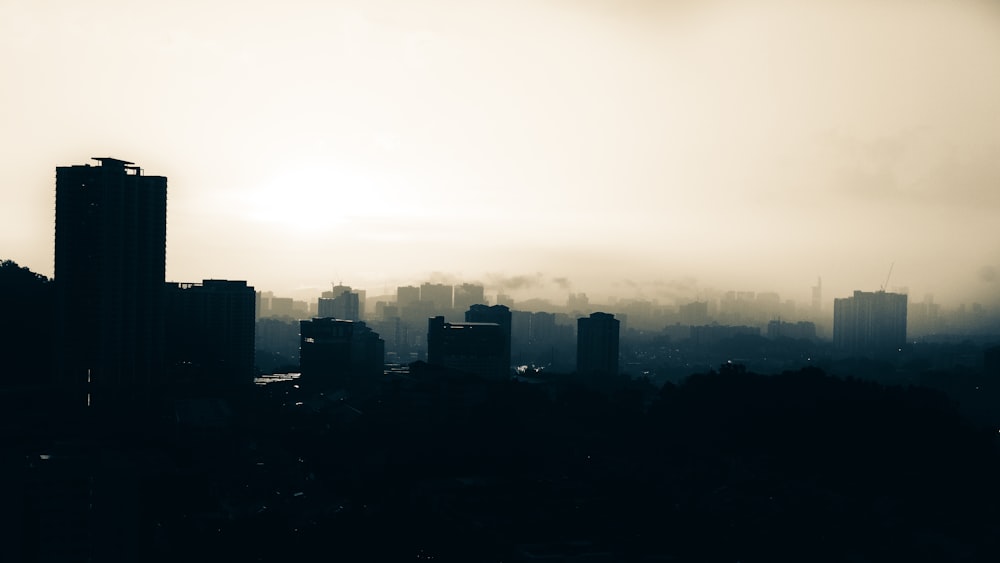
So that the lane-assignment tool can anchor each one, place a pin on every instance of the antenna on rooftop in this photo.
(887, 277)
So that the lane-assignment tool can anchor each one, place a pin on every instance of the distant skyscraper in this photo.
(467, 295)
(597, 344)
(341, 303)
(438, 294)
(407, 295)
(339, 290)
(110, 259)
(282, 307)
(870, 322)
(817, 297)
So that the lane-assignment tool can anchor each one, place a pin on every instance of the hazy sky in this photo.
(629, 147)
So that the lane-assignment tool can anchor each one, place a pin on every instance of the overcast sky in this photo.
(614, 147)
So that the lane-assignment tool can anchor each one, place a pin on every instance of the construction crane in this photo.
(886, 282)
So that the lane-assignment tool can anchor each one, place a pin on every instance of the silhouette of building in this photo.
(597, 344)
(336, 354)
(407, 295)
(210, 333)
(497, 314)
(385, 310)
(870, 322)
(341, 303)
(351, 311)
(520, 337)
(817, 298)
(924, 318)
(282, 307)
(438, 294)
(476, 348)
(551, 341)
(695, 313)
(467, 295)
(110, 256)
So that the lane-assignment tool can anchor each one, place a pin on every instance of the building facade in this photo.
(870, 323)
(345, 305)
(467, 295)
(476, 348)
(210, 333)
(597, 344)
(339, 354)
(497, 314)
(439, 294)
(110, 260)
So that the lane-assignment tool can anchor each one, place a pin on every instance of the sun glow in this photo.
(313, 198)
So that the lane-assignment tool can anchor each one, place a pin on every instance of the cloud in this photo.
(684, 288)
(562, 283)
(515, 282)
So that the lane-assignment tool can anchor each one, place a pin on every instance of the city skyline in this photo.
(547, 148)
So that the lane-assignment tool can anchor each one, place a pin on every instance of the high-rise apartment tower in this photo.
(870, 323)
(110, 260)
(597, 344)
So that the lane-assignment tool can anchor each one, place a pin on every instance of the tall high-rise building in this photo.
(341, 303)
(339, 290)
(437, 293)
(110, 261)
(467, 295)
(407, 295)
(870, 322)
(597, 344)
(817, 297)
(210, 333)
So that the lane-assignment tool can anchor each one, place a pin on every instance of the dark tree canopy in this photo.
(13, 276)
(25, 325)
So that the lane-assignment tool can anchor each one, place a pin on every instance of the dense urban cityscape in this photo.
(575, 281)
(155, 420)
